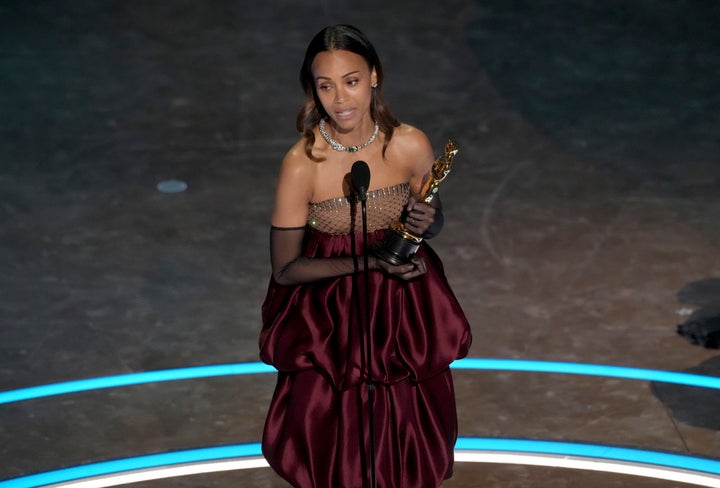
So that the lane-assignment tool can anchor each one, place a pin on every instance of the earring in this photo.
(374, 85)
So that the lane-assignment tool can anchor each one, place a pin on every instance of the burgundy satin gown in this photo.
(316, 433)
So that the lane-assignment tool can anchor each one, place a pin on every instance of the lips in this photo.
(345, 114)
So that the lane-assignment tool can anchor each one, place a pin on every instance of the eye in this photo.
(324, 87)
(353, 82)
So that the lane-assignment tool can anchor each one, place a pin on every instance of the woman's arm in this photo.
(422, 219)
(290, 267)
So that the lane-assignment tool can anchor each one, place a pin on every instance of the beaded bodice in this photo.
(344, 215)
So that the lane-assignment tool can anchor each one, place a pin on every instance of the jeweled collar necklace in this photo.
(339, 147)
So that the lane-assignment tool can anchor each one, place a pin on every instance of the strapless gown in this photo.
(316, 433)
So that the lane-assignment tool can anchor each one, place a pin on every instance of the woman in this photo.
(316, 433)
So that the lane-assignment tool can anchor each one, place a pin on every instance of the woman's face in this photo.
(343, 82)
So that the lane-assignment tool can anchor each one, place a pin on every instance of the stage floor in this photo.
(581, 216)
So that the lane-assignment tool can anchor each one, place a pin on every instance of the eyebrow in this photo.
(343, 76)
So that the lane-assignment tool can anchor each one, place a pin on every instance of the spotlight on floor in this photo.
(172, 186)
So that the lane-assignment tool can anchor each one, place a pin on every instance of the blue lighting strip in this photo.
(134, 464)
(134, 379)
(589, 369)
(464, 443)
(594, 451)
(257, 368)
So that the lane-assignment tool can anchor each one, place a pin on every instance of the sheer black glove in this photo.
(290, 267)
(423, 219)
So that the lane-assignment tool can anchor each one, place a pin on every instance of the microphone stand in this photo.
(360, 177)
(368, 344)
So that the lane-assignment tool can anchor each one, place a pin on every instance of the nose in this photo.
(339, 95)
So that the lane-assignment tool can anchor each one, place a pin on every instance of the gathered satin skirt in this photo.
(317, 432)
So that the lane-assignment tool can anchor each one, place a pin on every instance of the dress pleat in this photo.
(316, 434)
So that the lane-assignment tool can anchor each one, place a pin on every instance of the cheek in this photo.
(325, 99)
(367, 97)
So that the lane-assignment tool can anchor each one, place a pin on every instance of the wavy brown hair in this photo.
(348, 38)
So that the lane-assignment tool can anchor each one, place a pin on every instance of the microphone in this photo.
(360, 178)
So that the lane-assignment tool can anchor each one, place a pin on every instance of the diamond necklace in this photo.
(339, 147)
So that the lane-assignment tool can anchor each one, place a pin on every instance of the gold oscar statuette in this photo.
(400, 244)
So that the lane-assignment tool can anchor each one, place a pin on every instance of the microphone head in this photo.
(360, 178)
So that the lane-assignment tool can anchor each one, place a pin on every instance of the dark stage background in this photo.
(583, 201)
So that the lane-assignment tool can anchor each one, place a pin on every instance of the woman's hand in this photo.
(419, 217)
(416, 267)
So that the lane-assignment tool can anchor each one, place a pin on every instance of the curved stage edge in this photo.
(621, 460)
(260, 368)
(634, 462)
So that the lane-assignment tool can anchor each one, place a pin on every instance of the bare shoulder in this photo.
(294, 188)
(412, 146)
(296, 159)
(411, 140)
(297, 168)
